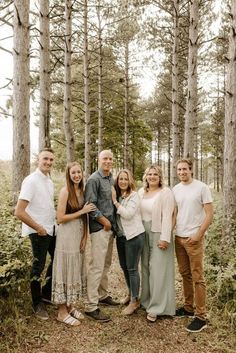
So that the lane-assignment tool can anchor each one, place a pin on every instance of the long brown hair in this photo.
(131, 182)
(72, 198)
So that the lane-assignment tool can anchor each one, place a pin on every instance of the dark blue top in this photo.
(98, 191)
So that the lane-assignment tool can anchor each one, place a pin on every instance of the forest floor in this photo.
(131, 334)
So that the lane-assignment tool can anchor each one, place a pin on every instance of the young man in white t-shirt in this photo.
(194, 214)
(35, 208)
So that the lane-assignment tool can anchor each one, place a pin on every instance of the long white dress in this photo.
(69, 271)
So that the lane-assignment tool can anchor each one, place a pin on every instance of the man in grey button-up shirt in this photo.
(101, 222)
(98, 191)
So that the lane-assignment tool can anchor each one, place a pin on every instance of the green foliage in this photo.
(140, 135)
(14, 253)
(221, 268)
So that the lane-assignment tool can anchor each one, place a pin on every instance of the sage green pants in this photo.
(158, 275)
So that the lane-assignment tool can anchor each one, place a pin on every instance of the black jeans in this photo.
(129, 253)
(40, 246)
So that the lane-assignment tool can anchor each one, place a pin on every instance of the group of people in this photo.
(142, 222)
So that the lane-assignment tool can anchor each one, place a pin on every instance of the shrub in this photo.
(221, 268)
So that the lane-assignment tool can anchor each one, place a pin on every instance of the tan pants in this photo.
(190, 262)
(97, 280)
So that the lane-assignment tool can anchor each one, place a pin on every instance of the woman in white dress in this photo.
(68, 280)
(157, 207)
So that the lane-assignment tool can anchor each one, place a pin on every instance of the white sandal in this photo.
(69, 320)
(151, 318)
(76, 314)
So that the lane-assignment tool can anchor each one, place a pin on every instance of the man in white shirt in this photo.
(35, 208)
(194, 214)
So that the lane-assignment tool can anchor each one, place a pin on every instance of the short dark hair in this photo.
(185, 160)
(47, 149)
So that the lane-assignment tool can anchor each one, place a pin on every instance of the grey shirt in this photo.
(98, 191)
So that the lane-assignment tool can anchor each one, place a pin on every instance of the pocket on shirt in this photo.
(106, 192)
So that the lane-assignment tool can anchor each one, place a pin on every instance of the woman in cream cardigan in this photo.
(157, 207)
(130, 235)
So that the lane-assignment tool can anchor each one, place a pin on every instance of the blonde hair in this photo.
(159, 172)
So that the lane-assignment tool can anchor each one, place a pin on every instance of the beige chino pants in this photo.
(101, 256)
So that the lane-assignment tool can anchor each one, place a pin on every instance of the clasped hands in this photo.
(162, 244)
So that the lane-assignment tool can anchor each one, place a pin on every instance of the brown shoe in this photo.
(98, 315)
(131, 308)
(108, 301)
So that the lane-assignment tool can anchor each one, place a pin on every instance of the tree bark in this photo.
(100, 73)
(126, 111)
(229, 190)
(44, 119)
(68, 130)
(87, 137)
(175, 95)
(21, 116)
(191, 105)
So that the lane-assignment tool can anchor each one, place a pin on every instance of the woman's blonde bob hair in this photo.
(159, 172)
(131, 182)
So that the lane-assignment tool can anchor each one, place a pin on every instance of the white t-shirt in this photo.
(38, 189)
(190, 199)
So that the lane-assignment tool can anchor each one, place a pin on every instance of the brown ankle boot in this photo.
(131, 308)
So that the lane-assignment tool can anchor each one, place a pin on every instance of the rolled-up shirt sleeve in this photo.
(91, 196)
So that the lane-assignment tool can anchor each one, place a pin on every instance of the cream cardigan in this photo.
(162, 213)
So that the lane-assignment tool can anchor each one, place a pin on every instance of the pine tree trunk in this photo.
(175, 95)
(126, 112)
(217, 174)
(87, 137)
(21, 116)
(191, 106)
(196, 169)
(44, 119)
(100, 64)
(219, 151)
(68, 130)
(158, 146)
(230, 136)
(169, 157)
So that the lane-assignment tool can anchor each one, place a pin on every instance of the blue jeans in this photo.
(40, 246)
(129, 253)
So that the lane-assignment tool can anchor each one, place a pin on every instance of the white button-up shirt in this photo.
(38, 189)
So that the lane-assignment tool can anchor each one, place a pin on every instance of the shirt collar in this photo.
(38, 171)
(104, 176)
